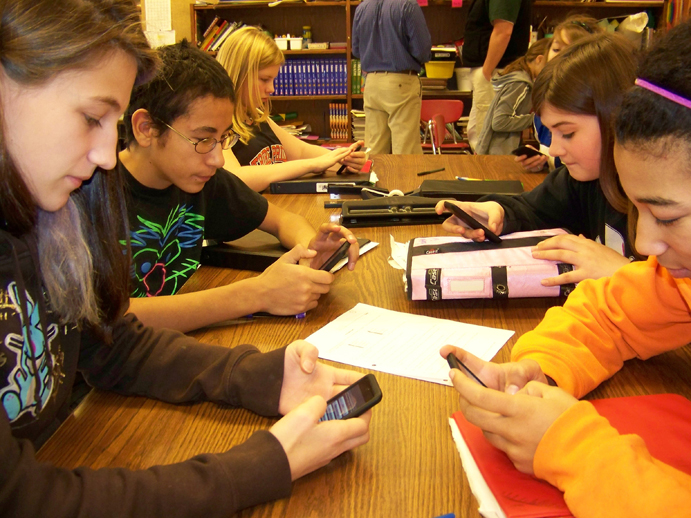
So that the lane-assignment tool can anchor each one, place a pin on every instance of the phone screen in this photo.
(353, 401)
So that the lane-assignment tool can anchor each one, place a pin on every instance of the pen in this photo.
(455, 363)
(265, 314)
(465, 178)
(423, 173)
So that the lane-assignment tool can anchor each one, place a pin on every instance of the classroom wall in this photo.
(180, 12)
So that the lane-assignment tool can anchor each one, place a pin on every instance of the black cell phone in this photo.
(342, 169)
(455, 363)
(353, 401)
(525, 150)
(335, 257)
(471, 221)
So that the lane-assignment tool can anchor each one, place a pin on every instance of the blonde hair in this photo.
(244, 53)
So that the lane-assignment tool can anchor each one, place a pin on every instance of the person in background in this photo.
(64, 283)
(530, 410)
(574, 28)
(391, 39)
(177, 126)
(510, 111)
(577, 96)
(265, 152)
(497, 32)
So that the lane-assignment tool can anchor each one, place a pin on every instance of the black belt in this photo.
(406, 72)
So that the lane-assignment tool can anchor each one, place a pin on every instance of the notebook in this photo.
(662, 420)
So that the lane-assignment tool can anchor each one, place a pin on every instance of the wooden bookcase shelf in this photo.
(332, 21)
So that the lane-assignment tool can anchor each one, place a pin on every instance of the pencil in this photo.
(423, 173)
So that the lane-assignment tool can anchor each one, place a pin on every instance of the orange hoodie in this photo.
(639, 312)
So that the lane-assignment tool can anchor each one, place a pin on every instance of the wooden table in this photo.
(410, 467)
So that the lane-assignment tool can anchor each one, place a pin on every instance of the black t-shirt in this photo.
(167, 227)
(562, 202)
(478, 29)
(263, 148)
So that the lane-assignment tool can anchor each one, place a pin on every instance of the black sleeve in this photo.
(209, 486)
(232, 209)
(556, 203)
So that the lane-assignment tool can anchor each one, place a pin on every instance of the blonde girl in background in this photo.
(266, 153)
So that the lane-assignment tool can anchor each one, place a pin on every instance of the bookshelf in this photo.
(332, 21)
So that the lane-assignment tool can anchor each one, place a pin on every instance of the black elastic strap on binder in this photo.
(433, 283)
(565, 289)
(500, 283)
(474, 246)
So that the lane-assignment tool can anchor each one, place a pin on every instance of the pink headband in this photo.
(664, 93)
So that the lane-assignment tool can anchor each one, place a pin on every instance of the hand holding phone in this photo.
(471, 221)
(527, 151)
(335, 257)
(342, 169)
(353, 401)
(455, 363)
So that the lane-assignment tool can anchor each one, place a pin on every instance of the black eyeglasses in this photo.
(206, 145)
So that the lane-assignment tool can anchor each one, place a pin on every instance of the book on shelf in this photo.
(663, 421)
(312, 76)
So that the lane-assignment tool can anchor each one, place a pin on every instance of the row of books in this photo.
(357, 82)
(312, 76)
(216, 33)
(338, 121)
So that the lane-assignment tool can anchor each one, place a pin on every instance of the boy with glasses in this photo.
(177, 127)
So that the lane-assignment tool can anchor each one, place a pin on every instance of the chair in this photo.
(435, 115)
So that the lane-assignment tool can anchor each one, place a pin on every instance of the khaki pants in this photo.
(483, 94)
(392, 113)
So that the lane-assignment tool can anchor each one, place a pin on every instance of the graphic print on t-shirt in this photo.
(161, 252)
(273, 154)
(30, 382)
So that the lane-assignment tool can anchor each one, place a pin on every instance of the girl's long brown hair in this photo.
(590, 78)
(40, 39)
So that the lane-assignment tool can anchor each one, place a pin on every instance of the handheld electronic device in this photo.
(455, 363)
(471, 221)
(353, 401)
(335, 257)
(527, 151)
(342, 169)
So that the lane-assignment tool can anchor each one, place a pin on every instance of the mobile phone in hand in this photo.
(335, 257)
(455, 363)
(527, 151)
(353, 401)
(342, 169)
(471, 221)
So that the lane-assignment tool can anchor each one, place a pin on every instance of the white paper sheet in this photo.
(401, 343)
(489, 507)
(157, 14)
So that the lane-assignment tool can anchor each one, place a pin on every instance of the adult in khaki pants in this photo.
(392, 41)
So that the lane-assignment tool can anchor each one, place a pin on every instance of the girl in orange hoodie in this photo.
(531, 410)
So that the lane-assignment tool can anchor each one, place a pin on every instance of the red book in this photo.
(662, 420)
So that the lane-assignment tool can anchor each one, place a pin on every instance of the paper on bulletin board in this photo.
(160, 38)
(422, 3)
(456, 3)
(158, 15)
